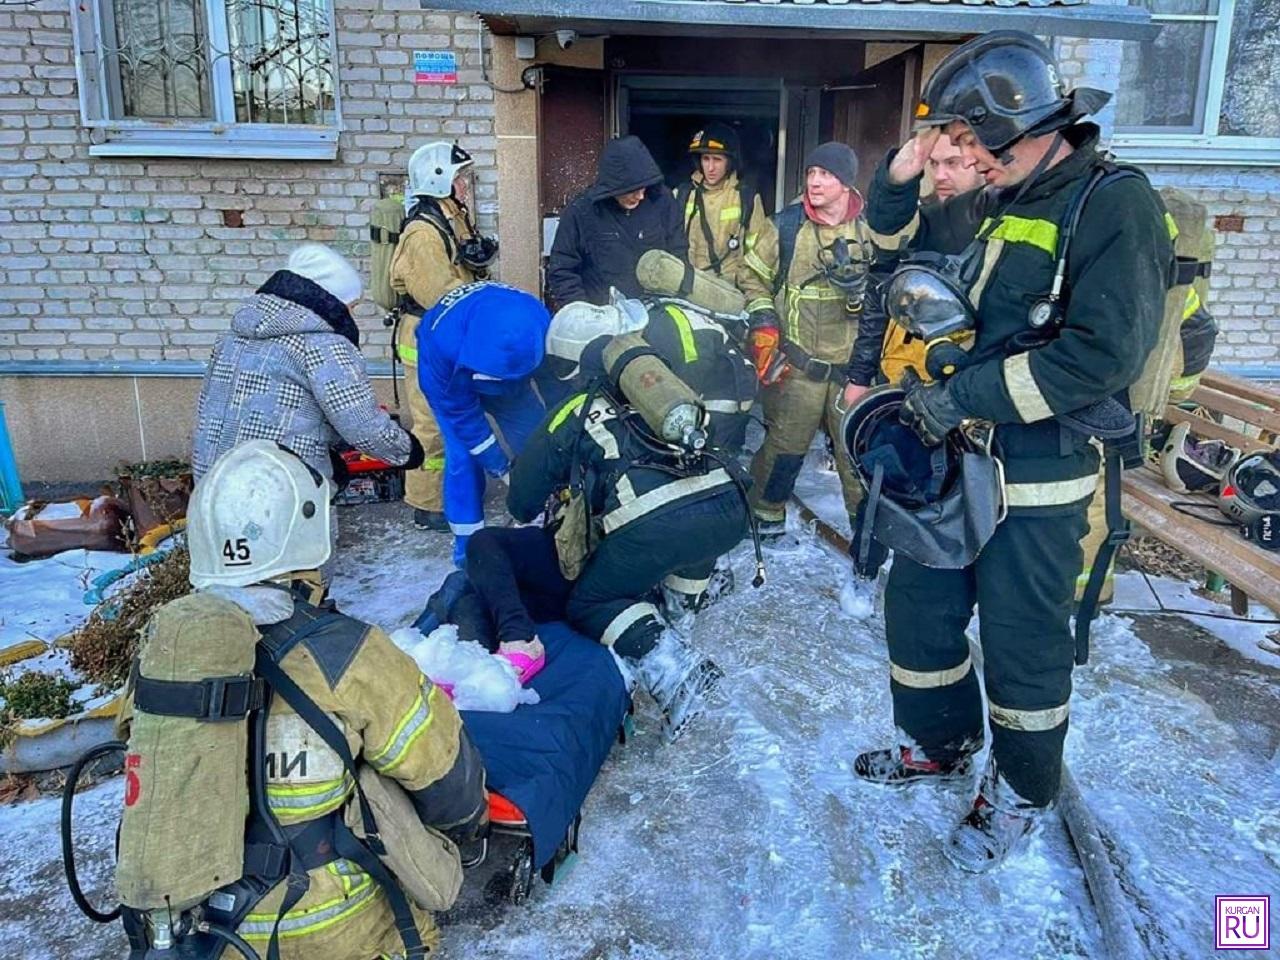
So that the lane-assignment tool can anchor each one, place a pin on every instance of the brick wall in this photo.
(129, 259)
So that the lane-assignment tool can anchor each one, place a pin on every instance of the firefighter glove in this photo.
(929, 409)
(763, 340)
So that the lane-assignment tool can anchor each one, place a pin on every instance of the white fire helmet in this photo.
(433, 167)
(577, 324)
(259, 513)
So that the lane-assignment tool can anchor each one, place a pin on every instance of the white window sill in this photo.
(1192, 150)
(241, 141)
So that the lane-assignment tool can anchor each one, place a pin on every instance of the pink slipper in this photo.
(445, 688)
(528, 657)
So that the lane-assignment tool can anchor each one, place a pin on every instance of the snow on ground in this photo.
(751, 838)
(43, 599)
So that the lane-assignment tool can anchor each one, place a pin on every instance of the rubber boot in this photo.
(679, 680)
(999, 823)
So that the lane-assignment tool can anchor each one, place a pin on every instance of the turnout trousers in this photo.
(424, 487)
(1023, 585)
(794, 410)
(515, 573)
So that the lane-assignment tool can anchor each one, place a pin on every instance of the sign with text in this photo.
(435, 66)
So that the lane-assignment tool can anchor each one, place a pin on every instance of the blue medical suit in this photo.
(477, 350)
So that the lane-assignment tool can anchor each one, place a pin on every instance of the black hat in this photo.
(837, 158)
(717, 137)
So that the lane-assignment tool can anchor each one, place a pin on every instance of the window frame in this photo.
(216, 137)
(1206, 146)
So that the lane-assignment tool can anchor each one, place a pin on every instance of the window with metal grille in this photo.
(245, 78)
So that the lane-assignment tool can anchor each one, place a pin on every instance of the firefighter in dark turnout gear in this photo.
(1000, 100)
(694, 346)
(631, 509)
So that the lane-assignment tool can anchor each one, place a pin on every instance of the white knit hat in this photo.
(327, 269)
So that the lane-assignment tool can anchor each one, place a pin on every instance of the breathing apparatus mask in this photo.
(928, 297)
(844, 272)
(478, 253)
(1250, 496)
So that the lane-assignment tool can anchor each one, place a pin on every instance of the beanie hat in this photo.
(328, 270)
(837, 158)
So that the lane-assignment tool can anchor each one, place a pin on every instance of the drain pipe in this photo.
(10, 485)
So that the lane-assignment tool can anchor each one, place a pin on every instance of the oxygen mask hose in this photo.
(68, 850)
(228, 937)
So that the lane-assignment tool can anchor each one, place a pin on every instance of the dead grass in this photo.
(102, 650)
(1156, 558)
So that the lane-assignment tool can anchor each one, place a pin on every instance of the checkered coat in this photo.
(290, 370)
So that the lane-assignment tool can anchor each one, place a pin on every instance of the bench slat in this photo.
(1237, 387)
(1252, 569)
(1267, 419)
(1214, 431)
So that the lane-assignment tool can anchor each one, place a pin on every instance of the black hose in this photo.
(229, 937)
(68, 853)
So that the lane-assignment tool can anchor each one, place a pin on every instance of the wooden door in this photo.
(872, 112)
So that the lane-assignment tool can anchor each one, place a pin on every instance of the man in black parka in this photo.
(604, 230)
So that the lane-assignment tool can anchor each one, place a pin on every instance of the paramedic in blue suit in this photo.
(477, 350)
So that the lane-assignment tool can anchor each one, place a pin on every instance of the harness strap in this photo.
(1118, 531)
(868, 521)
(371, 847)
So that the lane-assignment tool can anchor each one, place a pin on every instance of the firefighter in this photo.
(637, 499)
(720, 210)
(805, 275)
(438, 250)
(258, 532)
(999, 98)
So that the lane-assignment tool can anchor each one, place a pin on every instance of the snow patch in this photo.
(480, 680)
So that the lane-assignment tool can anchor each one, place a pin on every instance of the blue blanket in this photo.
(544, 757)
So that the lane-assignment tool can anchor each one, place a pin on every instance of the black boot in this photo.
(899, 766)
(999, 823)
(430, 520)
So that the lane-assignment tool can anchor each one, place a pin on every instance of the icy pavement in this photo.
(751, 838)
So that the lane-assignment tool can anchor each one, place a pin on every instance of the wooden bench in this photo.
(1236, 410)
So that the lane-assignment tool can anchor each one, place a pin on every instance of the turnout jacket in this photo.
(595, 441)
(425, 266)
(813, 314)
(1119, 268)
(395, 720)
(718, 212)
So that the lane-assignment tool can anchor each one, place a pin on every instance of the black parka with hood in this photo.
(598, 243)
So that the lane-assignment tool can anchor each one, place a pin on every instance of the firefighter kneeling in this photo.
(295, 786)
(638, 497)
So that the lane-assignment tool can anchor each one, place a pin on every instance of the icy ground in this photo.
(751, 838)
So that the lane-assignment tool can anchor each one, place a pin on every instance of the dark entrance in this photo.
(666, 111)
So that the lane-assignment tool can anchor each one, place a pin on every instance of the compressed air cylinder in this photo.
(664, 401)
(666, 274)
(186, 789)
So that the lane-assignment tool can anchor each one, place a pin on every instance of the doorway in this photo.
(665, 112)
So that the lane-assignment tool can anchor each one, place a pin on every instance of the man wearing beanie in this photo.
(290, 370)
(805, 273)
(718, 207)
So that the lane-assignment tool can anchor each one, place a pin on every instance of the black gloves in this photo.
(417, 456)
(929, 409)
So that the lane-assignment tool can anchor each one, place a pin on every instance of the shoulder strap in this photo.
(365, 853)
(432, 214)
(788, 222)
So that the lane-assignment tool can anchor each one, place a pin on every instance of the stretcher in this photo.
(542, 759)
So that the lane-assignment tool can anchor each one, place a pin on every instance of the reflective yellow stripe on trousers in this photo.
(359, 892)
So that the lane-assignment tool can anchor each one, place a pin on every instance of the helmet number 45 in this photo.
(236, 552)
